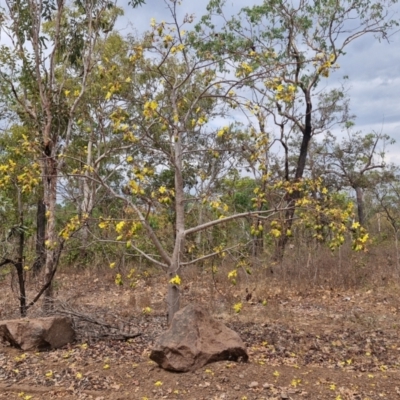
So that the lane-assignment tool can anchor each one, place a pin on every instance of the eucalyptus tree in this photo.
(290, 48)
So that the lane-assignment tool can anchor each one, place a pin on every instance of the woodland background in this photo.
(205, 146)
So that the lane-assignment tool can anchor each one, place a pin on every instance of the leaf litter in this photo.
(324, 345)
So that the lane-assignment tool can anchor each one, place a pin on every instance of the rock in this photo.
(268, 386)
(37, 333)
(194, 340)
(253, 385)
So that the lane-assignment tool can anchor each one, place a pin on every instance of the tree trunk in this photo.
(258, 241)
(88, 190)
(173, 296)
(50, 194)
(360, 205)
(19, 265)
(40, 237)
(301, 165)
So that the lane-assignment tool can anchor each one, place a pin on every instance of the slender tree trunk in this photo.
(301, 165)
(173, 296)
(19, 265)
(40, 237)
(258, 241)
(360, 205)
(87, 202)
(50, 194)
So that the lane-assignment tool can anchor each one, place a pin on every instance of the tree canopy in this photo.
(196, 141)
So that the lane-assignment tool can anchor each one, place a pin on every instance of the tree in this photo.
(290, 48)
(19, 180)
(49, 43)
(388, 197)
(358, 162)
(180, 118)
(178, 154)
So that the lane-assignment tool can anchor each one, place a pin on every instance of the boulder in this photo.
(38, 333)
(195, 339)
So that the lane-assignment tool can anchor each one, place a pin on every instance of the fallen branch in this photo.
(113, 332)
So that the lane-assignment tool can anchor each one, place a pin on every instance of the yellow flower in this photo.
(119, 227)
(167, 38)
(176, 280)
(118, 280)
(232, 274)
(237, 307)
(103, 225)
(355, 225)
(276, 233)
(295, 382)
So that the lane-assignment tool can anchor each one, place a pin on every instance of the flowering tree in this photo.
(290, 49)
(180, 117)
(49, 43)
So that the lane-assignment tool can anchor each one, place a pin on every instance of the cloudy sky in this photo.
(373, 67)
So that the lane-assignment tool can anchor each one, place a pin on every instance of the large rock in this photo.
(194, 340)
(38, 333)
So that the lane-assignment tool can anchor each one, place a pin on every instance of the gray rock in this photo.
(37, 333)
(194, 340)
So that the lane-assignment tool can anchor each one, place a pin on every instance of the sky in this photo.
(372, 67)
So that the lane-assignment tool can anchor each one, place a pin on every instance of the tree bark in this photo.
(360, 205)
(88, 191)
(50, 192)
(19, 265)
(40, 237)
(301, 165)
(173, 296)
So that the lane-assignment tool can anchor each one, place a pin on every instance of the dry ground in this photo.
(309, 344)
